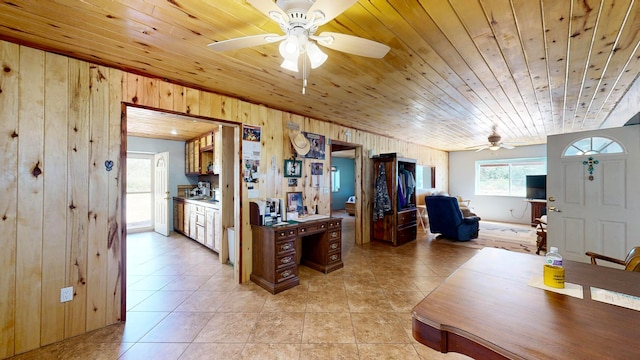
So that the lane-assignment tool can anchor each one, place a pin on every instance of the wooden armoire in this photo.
(394, 218)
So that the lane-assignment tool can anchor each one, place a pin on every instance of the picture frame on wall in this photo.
(293, 168)
(295, 203)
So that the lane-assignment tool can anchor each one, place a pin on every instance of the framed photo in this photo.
(293, 168)
(317, 149)
(294, 202)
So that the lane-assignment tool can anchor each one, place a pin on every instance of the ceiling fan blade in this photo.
(243, 42)
(330, 8)
(482, 148)
(508, 147)
(354, 45)
(266, 7)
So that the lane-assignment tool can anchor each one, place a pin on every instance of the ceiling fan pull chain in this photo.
(304, 74)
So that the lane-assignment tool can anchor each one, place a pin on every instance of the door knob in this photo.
(552, 199)
(553, 208)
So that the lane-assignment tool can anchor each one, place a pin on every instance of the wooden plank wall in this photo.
(60, 210)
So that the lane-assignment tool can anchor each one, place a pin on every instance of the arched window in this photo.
(594, 145)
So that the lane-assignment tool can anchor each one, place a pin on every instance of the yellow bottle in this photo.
(553, 273)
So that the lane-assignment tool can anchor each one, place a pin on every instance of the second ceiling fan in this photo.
(494, 142)
(299, 20)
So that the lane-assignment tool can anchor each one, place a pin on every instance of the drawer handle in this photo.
(303, 230)
(285, 260)
(286, 246)
(282, 234)
(286, 273)
(334, 257)
(322, 226)
(334, 234)
(334, 246)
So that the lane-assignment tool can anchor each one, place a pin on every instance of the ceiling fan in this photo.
(299, 20)
(494, 142)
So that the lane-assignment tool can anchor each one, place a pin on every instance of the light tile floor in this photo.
(183, 304)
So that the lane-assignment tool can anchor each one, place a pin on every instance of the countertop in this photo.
(198, 200)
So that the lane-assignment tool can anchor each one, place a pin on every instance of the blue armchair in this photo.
(446, 219)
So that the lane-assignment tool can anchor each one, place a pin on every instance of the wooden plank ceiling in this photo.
(455, 69)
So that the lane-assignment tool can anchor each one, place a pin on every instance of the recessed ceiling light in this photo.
(174, 132)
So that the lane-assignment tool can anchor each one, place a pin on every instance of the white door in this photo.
(161, 193)
(593, 202)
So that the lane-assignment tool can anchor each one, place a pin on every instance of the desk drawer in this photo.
(284, 247)
(334, 235)
(311, 228)
(285, 260)
(335, 246)
(283, 234)
(286, 273)
(335, 223)
(407, 217)
(335, 257)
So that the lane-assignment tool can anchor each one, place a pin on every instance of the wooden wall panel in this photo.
(165, 92)
(81, 104)
(9, 59)
(54, 249)
(98, 187)
(78, 192)
(30, 200)
(115, 230)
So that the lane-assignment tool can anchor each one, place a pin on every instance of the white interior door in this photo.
(595, 211)
(161, 193)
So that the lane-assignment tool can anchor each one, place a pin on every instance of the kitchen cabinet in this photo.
(213, 229)
(202, 152)
(192, 157)
(199, 220)
(217, 230)
(178, 215)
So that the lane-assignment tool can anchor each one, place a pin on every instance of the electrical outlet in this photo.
(66, 294)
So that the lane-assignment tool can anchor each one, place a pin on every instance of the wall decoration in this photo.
(292, 182)
(317, 142)
(293, 168)
(316, 174)
(251, 150)
(294, 202)
(590, 162)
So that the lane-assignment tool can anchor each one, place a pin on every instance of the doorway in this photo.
(346, 168)
(155, 131)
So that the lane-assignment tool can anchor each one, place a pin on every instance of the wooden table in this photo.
(486, 310)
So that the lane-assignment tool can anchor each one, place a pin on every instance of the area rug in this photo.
(513, 237)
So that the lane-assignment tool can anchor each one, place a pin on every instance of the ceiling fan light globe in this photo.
(290, 65)
(494, 147)
(289, 49)
(316, 56)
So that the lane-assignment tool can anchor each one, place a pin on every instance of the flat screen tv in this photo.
(537, 187)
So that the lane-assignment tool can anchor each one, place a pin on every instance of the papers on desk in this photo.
(570, 289)
(615, 298)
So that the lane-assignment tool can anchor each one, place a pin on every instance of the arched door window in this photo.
(594, 145)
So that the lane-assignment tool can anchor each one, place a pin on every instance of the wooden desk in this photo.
(278, 250)
(486, 310)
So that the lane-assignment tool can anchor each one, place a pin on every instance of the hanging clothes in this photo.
(401, 198)
(409, 185)
(382, 201)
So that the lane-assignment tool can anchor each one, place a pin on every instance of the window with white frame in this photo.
(593, 145)
(507, 177)
(139, 190)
